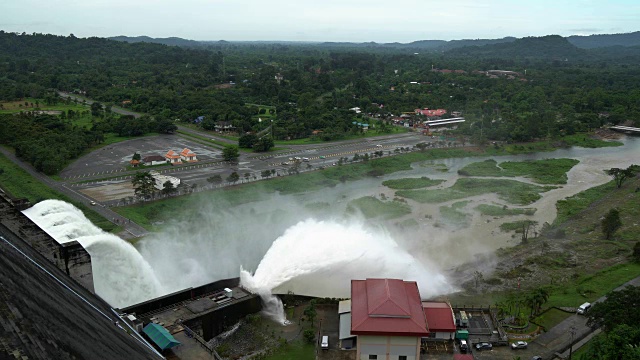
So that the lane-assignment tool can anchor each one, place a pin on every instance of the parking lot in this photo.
(112, 159)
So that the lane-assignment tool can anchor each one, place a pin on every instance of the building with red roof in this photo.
(441, 320)
(388, 319)
(172, 157)
(188, 155)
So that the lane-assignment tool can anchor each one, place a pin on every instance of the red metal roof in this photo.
(439, 316)
(386, 307)
(462, 357)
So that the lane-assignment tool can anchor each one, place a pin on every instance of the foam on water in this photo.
(121, 276)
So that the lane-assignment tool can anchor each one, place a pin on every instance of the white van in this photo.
(464, 347)
(582, 309)
(325, 343)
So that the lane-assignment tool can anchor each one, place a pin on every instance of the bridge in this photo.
(626, 129)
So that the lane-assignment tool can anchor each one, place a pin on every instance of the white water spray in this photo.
(121, 276)
(319, 258)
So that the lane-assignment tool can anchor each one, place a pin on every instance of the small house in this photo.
(172, 157)
(188, 155)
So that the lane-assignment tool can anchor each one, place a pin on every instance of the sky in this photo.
(321, 20)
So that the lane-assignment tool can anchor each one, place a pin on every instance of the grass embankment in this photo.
(21, 184)
(495, 210)
(516, 226)
(547, 171)
(12, 107)
(591, 287)
(411, 183)
(296, 350)
(512, 191)
(580, 201)
(372, 207)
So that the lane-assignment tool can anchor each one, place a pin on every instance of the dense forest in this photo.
(555, 87)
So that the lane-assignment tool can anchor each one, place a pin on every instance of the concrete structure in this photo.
(45, 313)
(196, 315)
(387, 318)
(162, 179)
(69, 257)
(441, 321)
(188, 155)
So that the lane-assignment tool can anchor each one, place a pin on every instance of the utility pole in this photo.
(572, 331)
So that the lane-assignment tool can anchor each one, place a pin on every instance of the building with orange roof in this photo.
(173, 157)
(188, 155)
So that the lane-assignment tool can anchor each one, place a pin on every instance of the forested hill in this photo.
(599, 41)
(171, 41)
(552, 47)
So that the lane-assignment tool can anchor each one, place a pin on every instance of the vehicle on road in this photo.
(379, 145)
(583, 308)
(519, 345)
(305, 159)
(93, 203)
(484, 346)
(536, 357)
(464, 347)
(325, 342)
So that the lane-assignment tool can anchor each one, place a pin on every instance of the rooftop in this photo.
(439, 316)
(386, 307)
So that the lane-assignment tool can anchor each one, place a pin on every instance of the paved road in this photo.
(132, 228)
(558, 339)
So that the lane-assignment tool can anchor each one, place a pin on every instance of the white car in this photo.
(92, 203)
(379, 145)
(519, 345)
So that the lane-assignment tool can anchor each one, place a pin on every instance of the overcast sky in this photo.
(321, 20)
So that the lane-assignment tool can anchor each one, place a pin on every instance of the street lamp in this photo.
(572, 331)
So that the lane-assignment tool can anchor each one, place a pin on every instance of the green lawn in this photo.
(511, 191)
(580, 201)
(591, 287)
(547, 171)
(551, 318)
(12, 107)
(513, 226)
(22, 185)
(411, 183)
(294, 351)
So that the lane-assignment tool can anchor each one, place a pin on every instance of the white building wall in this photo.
(388, 347)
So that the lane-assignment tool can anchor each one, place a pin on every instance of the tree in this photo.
(477, 276)
(527, 226)
(310, 312)
(247, 176)
(137, 157)
(96, 109)
(230, 153)
(620, 307)
(621, 343)
(233, 177)
(263, 144)
(620, 175)
(636, 247)
(168, 188)
(165, 126)
(309, 336)
(247, 141)
(611, 223)
(143, 184)
(215, 179)
(265, 173)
